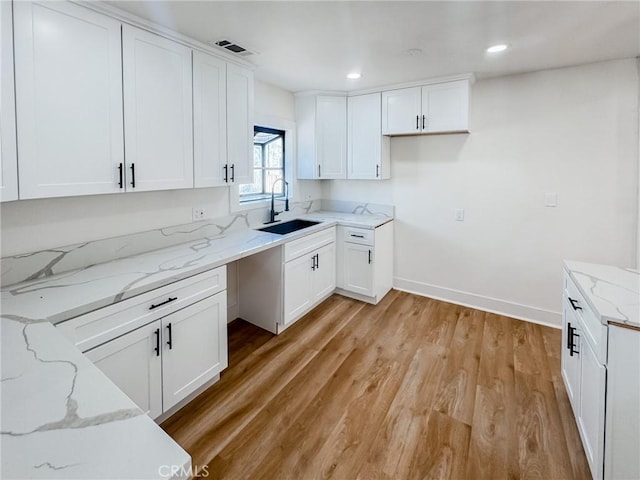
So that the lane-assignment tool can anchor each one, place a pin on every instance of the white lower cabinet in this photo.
(133, 365)
(365, 262)
(180, 347)
(593, 378)
(195, 349)
(308, 280)
(298, 287)
(600, 372)
(584, 372)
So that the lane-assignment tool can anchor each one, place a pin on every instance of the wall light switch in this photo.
(460, 214)
(550, 199)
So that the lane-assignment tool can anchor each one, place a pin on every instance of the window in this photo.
(268, 165)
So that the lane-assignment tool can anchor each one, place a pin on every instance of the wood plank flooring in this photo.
(411, 388)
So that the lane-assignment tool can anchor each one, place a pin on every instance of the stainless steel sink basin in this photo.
(288, 227)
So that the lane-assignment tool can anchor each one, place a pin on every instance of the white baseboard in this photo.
(480, 302)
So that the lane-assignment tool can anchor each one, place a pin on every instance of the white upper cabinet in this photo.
(157, 111)
(437, 108)
(209, 120)
(68, 100)
(9, 165)
(239, 124)
(445, 107)
(401, 111)
(368, 151)
(322, 137)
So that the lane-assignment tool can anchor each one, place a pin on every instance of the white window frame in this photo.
(289, 129)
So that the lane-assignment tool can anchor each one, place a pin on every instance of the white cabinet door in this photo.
(133, 363)
(623, 400)
(358, 268)
(9, 165)
(298, 287)
(209, 120)
(331, 137)
(593, 378)
(324, 275)
(157, 111)
(240, 124)
(571, 362)
(68, 100)
(368, 151)
(445, 107)
(401, 111)
(194, 347)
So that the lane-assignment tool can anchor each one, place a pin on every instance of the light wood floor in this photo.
(410, 388)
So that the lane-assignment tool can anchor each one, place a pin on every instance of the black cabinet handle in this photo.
(233, 172)
(319, 171)
(377, 171)
(157, 349)
(357, 236)
(369, 257)
(133, 175)
(226, 173)
(169, 300)
(169, 342)
(317, 260)
(571, 335)
(313, 262)
(120, 174)
(417, 122)
(424, 117)
(574, 304)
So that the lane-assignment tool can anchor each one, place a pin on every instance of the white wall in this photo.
(573, 131)
(30, 225)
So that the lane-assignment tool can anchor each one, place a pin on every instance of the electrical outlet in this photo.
(460, 214)
(198, 214)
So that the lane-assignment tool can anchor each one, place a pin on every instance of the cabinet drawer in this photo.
(362, 236)
(100, 326)
(593, 331)
(304, 245)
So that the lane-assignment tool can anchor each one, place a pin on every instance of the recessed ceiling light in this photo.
(354, 76)
(497, 48)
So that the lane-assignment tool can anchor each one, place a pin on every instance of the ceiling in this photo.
(312, 45)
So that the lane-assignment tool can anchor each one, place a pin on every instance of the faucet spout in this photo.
(272, 211)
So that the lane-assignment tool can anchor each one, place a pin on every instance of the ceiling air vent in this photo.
(234, 48)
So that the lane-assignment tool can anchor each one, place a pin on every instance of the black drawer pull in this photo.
(317, 260)
(233, 173)
(133, 175)
(157, 349)
(424, 118)
(226, 173)
(417, 122)
(313, 262)
(169, 300)
(574, 304)
(169, 342)
(357, 236)
(571, 335)
(369, 257)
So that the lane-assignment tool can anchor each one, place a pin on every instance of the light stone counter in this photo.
(613, 293)
(61, 417)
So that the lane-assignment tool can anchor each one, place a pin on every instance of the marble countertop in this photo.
(613, 293)
(350, 219)
(61, 417)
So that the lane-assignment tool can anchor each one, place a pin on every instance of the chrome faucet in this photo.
(272, 212)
